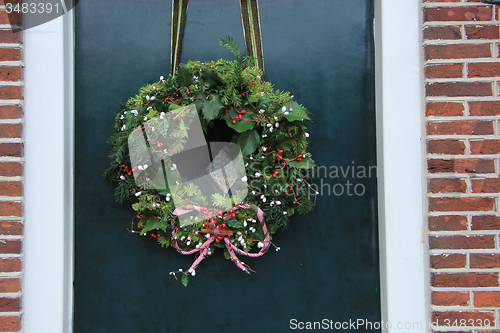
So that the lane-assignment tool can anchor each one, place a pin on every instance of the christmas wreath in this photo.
(230, 187)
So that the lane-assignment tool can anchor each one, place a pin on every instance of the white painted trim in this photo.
(400, 138)
(47, 287)
(48, 265)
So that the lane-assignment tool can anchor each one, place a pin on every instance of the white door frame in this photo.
(49, 92)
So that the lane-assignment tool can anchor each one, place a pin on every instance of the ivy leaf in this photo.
(185, 280)
(248, 142)
(296, 112)
(306, 163)
(211, 107)
(173, 107)
(184, 76)
(159, 106)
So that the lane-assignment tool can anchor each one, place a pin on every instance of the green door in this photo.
(328, 266)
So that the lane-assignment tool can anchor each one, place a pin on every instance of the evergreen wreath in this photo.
(232, 101)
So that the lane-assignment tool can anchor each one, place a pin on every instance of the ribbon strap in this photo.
(179, 12)
(251, 31)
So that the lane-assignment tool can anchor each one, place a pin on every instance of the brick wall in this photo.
(11, 174)
(462, 84)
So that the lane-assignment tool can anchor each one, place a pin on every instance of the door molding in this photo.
(49, 92)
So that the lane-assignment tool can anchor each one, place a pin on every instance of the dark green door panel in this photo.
(328, 264)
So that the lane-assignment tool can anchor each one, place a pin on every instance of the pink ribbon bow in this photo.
(203, 249)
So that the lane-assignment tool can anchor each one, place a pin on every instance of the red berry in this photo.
(245, 119)
(129, 173)
(299, 155)
(138, 216)
(299, 159)
(217, 240)
(281, 151)
(243, 111)
(254, 83)
(280, 157)
(159, 144)
(274, 176)
(234, 121)
(183, 115)
(283, 163)
(233, 214)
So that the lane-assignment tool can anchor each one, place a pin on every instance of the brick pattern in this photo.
(461, 48)
(11, 173)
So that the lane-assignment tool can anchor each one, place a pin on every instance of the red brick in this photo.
(11, 149)
(486, 298)
(10, 323)
(469, 13)
(10, 73)
(451, 147)
(481, 31)
(462, 242)
(11, 188)
(460, 127)
(13, 18)
(10, 54)
(9, 304)
(10, 130)
(455, 89)
(464, 280)
(452, 298)
(447, 223)
(484, 69)
(485, 108)
(457, 51)
(9, 208)
(10, 92)
(444, 109)
(10, 169)
(484, 260)
(446, 32)
(485, 222)
(10, 112)
(444, 71)
(448, 260)
(487, 185)
(10, 36)
(446, 185)
(10, 265)
(10, 247)
(445, 318)
(10, 285)
(461, 166)
(485, 147)
(11, 228)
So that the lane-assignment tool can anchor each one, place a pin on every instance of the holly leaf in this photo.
(259, 235)
(211, 78)
(159, 106)
(284, 142)
(242, 125)
(184, 76)
(306, 163)
(211, 107)
(295, 112)
(185, 280)
(151, 224)
(234, 223)
(264, 102)
(248, 142)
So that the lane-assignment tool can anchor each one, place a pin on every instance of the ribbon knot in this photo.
(231, 248)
